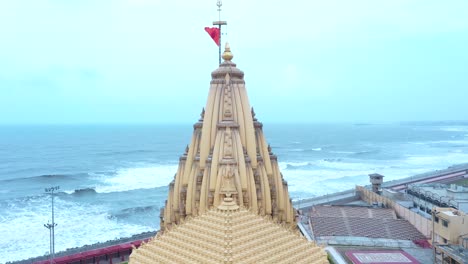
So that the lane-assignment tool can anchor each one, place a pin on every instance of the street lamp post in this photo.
(51, 226)
(434, 215)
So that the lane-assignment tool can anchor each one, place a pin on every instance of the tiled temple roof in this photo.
(229, 236)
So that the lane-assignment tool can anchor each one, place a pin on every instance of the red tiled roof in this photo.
(365, 227)
(352, 211)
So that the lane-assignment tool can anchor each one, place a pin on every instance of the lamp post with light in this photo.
(51, 226)
(434, 215)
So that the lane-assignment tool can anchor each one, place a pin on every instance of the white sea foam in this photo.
(342, 152)
(320, 177)
(454, 142)
(302, 150)
(315, 174)
(284, 165)
(24, 236)
(418, 142)
(445, 142)
(320, 182)
(127, 179)
(436, 161)
(296, 150)
(455, 129)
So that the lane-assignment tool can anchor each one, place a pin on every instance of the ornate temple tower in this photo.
(228, 202)
(228, 154)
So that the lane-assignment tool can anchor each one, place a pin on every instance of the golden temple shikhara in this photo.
(228, 202)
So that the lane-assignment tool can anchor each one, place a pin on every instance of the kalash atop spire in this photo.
(228, 202)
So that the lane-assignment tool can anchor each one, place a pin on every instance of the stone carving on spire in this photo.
(227, 112)
(227, 145)
(228, 185)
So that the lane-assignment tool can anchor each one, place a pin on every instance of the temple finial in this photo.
(227, 55)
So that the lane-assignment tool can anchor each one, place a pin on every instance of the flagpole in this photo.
(219, 23)
(219, 46)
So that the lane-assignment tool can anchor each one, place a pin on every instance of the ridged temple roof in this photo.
(229, 236)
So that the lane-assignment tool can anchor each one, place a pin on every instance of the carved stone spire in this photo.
(228, 157)
(228, 202)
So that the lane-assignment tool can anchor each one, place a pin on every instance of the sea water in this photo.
(113, 178)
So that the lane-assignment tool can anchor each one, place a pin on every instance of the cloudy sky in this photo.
(149, 61)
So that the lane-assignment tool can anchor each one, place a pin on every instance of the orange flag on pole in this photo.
(214, 33)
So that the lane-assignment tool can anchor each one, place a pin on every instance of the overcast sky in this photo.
(149, 61)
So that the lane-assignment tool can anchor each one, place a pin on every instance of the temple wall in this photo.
(421, 223)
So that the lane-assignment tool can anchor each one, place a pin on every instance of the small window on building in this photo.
(445, 241)
(436, 219)
(445, 223)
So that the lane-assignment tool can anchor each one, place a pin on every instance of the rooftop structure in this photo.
(328, 221)
(228, 202)
(426, 196)
(352, 211)
(450, 225)
(376, 181)
(451, 254)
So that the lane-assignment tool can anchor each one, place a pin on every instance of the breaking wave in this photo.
(78, 225)
(455, 129)
(49, 177)
(83, 192)
(127, 179)
(129, 152)
(130, 212)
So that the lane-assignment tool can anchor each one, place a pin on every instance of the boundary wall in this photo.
(421, 223)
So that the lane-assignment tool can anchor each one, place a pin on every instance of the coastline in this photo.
(301, 204)
(85, 248)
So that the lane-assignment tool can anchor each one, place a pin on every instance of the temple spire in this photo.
(228, 157)
(228, 202)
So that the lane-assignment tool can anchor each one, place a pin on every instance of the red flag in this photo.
(214, 34)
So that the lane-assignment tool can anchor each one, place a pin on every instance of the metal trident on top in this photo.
(219, 3)
(219, 23)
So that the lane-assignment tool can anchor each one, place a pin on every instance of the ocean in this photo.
(113, 178)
